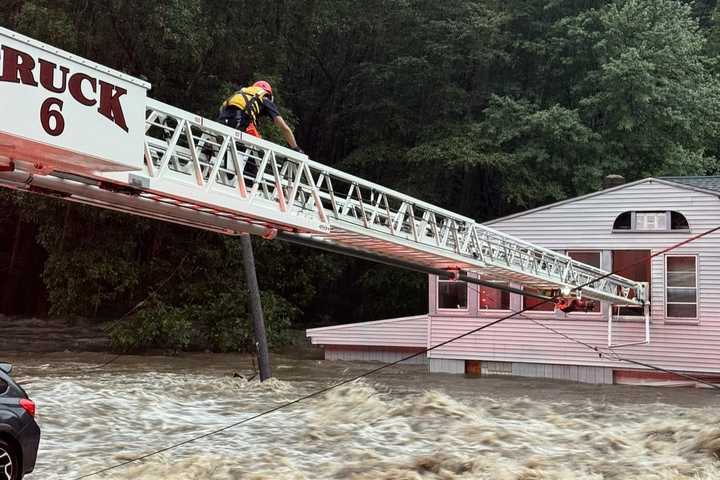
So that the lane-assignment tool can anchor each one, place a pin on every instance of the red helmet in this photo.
(264, 85)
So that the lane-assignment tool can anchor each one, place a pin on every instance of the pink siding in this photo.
(395, 332)
(583, 224)
(519, 340)
(587, 224)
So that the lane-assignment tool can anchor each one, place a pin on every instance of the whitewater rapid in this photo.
(402, 424)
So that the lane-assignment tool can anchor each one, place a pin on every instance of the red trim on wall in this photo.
(620, 375)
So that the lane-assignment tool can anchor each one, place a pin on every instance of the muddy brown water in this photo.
(401, 424)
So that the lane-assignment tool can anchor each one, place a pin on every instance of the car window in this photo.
(3, 386)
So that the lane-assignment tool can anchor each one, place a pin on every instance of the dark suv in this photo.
(19, 433)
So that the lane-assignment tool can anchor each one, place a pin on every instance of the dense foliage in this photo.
(485, 107)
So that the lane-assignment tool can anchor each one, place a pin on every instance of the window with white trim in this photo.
(681, 298)
(651, 221)
(452, 295)
(588, 257)
(493, 299)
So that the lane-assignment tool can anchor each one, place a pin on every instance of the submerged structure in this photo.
(614, 229)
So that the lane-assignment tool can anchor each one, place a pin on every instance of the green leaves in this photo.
(155, 325)
(648, 91)
(542, 152)
(483, 107)
(631, 93)
(221, 324)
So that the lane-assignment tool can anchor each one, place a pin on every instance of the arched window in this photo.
(678, 221)
(623, 221)
(650, 221)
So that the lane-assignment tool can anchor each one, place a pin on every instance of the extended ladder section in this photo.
(196, 172)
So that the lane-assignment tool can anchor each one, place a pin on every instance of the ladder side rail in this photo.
(504, 272)
(194, 157)
(268, 182)
(448, 219)
(220, 129)
(221, 155)
(534, 257)
(238, 160)
(526, 256)
(495, 237)
(379, 207)
(524, 260)
(527, 260)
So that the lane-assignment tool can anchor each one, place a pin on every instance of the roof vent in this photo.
(613, 181)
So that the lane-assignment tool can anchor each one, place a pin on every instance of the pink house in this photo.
(609, 229)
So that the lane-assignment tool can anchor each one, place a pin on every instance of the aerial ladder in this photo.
(76, 130)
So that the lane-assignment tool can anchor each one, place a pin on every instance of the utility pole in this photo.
(255, 307)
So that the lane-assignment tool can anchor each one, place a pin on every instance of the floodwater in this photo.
(403, 423)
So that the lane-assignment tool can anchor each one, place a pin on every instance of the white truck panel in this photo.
(59, 109)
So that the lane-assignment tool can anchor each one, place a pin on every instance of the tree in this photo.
(650, 93)
(483, 107)
(634, 95)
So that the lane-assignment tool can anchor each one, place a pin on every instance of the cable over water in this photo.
(393, 426)
(371, 372)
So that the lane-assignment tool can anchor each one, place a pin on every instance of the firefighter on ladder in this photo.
(245, 107)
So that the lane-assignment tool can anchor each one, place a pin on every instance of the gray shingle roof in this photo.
(706, 183)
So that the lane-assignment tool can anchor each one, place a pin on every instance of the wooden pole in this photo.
(256, 308)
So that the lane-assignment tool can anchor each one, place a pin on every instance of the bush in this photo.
(154, 325)
(222, 324)
(226, 325)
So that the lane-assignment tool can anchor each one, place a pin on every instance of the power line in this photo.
(611, 353)
(592, 347)
(305, 397)
(649, 257)
(416, 354)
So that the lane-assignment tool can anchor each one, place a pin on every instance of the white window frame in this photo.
(555, 314)
(610, 305)
(668, 222)
(697, 290)
(657, 215)
(448, 310)
(494, 310)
